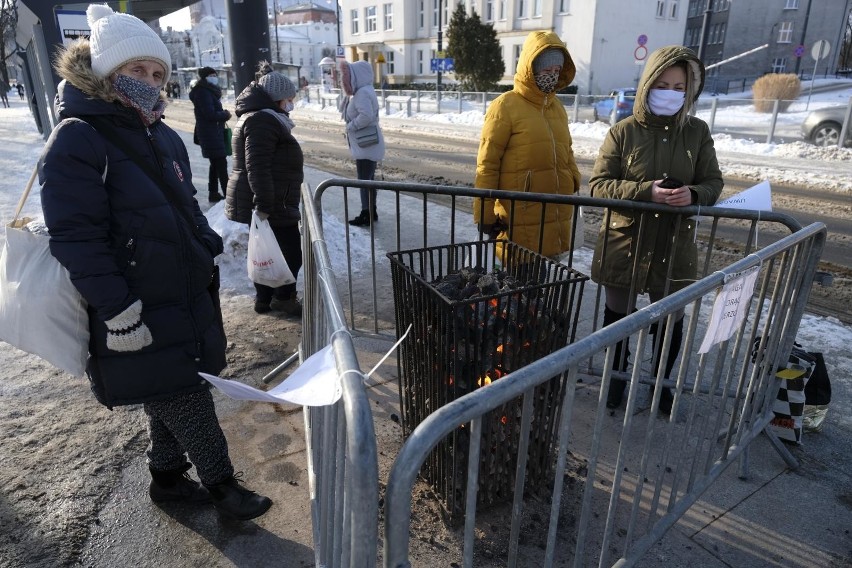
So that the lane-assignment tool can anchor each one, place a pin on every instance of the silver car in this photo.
(822, 127)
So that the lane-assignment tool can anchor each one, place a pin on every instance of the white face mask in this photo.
(213, 80)
(288, 106)
(665, 102)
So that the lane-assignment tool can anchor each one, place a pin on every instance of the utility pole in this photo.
(440, 44)
(804, 31)
(705, 27)
(275, 22)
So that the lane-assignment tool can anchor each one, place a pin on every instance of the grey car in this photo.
(822, 127)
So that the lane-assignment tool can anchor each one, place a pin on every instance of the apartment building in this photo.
(608, 39)
(788, 28)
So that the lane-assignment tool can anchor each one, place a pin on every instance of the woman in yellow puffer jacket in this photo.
(526, 146)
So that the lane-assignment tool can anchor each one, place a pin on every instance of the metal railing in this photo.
(722, 399)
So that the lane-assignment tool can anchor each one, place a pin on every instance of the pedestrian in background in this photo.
(140, 251)
(267, 176)
(4, 95)
(360, 109)
(21, 91)
(660, 140)
(526, 146)
(210, 118)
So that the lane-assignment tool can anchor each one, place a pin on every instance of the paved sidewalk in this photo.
(776, 517)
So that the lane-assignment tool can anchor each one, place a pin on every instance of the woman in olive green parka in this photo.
(526, 146)
(659, 140)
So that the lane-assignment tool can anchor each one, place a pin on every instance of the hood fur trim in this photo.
(74, 64)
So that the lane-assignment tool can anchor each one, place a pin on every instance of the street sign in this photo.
(340, 51)
(380, 58)
(642, 40)
(444, 65)
(800, 50)
(820, 49)
(640, 53)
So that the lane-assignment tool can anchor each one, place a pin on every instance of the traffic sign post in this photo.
(442, 65)
(819, 51)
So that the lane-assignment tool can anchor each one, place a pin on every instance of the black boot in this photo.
(290, 306)
(176, 485)
(233, 500)
(619, 363)
(214, 196)
(363, 218)
(666, 397)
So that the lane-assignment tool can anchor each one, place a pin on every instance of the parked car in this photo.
(822, 126)
(624, 105)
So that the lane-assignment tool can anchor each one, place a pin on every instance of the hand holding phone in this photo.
(670, 183)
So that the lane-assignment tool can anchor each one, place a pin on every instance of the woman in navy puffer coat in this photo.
(141, 254)
(210, 118)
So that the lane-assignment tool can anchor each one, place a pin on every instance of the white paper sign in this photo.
(314, 383)
(757, 197)
(729, 308)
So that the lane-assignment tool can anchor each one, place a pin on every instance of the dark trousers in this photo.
(218, 176)
(290, 241)
(367, 170)
(188, 425)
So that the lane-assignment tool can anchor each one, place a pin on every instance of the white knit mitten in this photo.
(127, 331)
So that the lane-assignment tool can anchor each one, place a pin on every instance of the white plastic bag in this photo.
(41, 312)
(580, 229)
(265, 261)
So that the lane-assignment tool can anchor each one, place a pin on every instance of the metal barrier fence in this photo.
(722, 399)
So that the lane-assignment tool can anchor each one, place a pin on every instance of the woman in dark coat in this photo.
(210, 118)
(660, 140)
(268, 176)
(131, 251)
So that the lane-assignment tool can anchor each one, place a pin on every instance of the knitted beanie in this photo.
(118, 38)
(277, 86)
(206, 72)
(548, 58)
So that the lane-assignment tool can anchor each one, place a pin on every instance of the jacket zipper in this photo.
(555, 169)
(185, 246)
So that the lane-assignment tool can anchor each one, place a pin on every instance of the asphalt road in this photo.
(424, 157)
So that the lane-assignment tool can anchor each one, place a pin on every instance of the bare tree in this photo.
(8, 25)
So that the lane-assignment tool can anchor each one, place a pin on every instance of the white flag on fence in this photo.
(729, 308)
(757, 197)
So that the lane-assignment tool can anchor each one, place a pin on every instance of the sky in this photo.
(178, 21)
(794, 162)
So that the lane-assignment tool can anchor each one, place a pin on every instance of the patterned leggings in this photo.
(188, 424)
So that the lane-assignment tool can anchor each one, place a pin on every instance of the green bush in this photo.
(784, 87)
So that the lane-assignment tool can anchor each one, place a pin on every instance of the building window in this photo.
(521, 8)
(354, 17)
(502, 9)
(389, 61)
(516, 55)
(661, 8)
(446, 14)
(564, 6)
(673, 9)
(419, 61)
(779, 64)
(792, 5)
(370, 19)
(489, 10)
(785, 32)
(421, 14)
(536, 8)
(388, 16)
(435, 13)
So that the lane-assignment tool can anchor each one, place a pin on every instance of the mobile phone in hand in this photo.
(671, 183)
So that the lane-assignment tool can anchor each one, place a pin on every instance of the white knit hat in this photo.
(118, 38)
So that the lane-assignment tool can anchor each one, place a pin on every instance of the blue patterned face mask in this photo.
(141, 96)
(213, 80)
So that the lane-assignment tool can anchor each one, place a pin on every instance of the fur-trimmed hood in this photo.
(89, 92)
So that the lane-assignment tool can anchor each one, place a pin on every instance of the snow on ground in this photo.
(796, 163)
